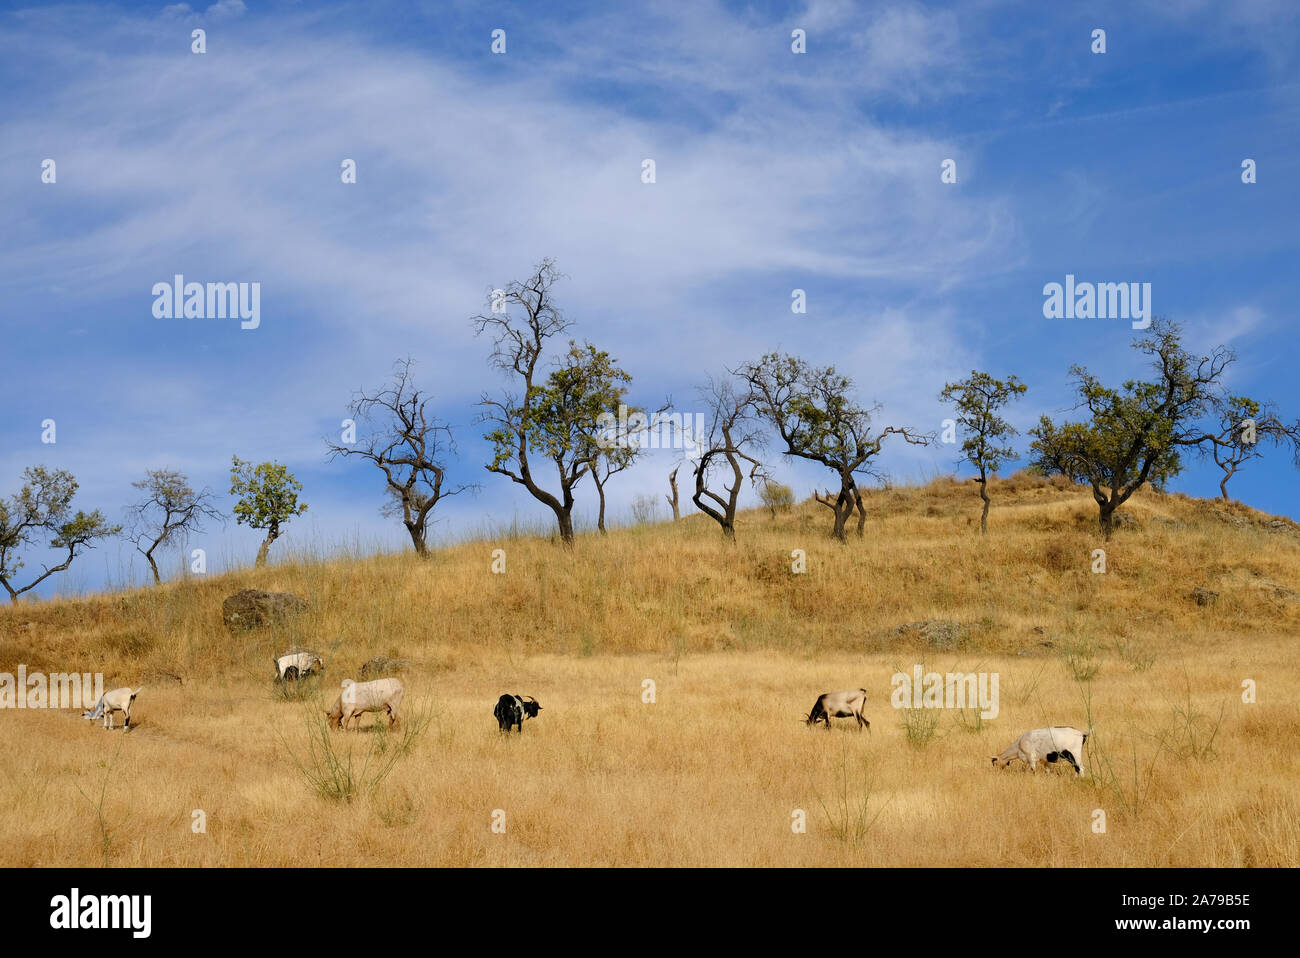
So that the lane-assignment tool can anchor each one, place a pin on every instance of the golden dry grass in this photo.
(710, 773)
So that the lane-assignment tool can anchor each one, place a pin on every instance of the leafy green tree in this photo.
(169, 511)
(1135, 434)
(268, 498)
(557, 418)
(817, 416)
(775, 495)
(977, 401)
(42, 510)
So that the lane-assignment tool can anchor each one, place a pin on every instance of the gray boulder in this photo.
(253, 608)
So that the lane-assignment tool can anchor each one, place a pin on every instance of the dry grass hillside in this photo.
(713, 771)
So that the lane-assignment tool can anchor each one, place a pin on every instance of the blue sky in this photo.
(775, 171)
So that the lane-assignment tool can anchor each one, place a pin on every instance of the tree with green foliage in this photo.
(977, 400)
(42, 510)
(268, 498)
(1135, 434)
(169, 511)
(817, 416)
(776, 495)
(558, 418)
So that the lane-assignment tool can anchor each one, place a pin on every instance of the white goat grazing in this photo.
(381, 695)
(294, 665)
(118, 700)
(1046, 745)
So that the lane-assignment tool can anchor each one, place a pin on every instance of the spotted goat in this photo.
(511, 710)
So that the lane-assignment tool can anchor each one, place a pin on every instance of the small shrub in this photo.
(776, 495)
(332, 767)
(1138, 657)
(1058, 556)
(919, 726)
(645, 509)
(298, 690)
(849, 812)
(395, 809)
(1191, 733)
(1021, 696)
(1081, 658)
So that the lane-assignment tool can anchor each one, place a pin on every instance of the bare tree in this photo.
(557, 417)
(1245, 425)
(733, 428)
(645, 508)
(169, 512)
(672, 500)
(817, 417)
(409, 445)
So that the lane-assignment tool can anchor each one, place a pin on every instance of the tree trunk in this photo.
(417, 539)
(725, 512)
(565, 520)
(862, 512)
(157, 579)
(1223, 487)
(984, 516)
(841, 517)
(600, 514)
(842, 506)
(263, 550)
(672, 481)
(1107, 521)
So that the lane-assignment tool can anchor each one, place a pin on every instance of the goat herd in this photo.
(1041, 745)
